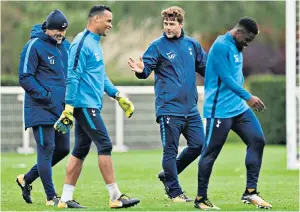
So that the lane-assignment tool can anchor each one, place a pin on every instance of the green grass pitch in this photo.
(136, 176)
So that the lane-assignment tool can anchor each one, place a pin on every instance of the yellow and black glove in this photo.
(65, 122)
(125, 104)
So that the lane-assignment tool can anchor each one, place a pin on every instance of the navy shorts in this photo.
(89, 126)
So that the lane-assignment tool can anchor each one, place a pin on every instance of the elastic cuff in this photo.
(69, 107)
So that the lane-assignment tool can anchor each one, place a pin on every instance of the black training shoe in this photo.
(205, 204)
(123, 202)
(69, 204)
(26, 188)
(161, 177)
(255, 199)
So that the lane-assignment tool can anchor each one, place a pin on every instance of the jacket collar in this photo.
(38, 31)
(94, 35)
(230, 38)
(174, 38)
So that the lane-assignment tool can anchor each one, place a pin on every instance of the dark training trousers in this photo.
(171, 127)
(89, 127)
(52, 146)
(248, 128)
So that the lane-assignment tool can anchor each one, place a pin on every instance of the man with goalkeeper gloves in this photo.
(86, 84)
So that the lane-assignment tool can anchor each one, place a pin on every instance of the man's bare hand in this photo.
(135, 66)
(256, 103)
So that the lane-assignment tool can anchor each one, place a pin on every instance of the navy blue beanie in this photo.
(56, 20)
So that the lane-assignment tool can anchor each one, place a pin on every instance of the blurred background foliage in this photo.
(136, 24)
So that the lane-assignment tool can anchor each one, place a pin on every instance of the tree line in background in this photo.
(136, 24)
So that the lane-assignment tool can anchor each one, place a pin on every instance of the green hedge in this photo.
(9, 80)
(271, 90)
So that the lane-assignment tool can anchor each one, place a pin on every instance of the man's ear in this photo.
(181, 25)
(240, 30)
(97, 18)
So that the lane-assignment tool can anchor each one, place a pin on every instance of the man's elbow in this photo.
(23, 80)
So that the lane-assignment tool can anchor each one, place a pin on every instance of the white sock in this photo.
(67, 193)
(113, 190)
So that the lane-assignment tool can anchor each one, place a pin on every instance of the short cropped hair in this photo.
(249, 24)
(95, 10)
(173, 13)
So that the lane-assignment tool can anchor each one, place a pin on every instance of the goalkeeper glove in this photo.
(125, 104)
(65, 122)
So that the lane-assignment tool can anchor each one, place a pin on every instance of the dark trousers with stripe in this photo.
(52, 147)
(247, 126)
(171, 127)
(89, 127)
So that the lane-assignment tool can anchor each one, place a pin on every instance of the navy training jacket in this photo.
(42, 74)
(175, 63)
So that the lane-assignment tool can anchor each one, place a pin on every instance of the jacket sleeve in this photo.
(109, 88)
(222, 66)
(78, 56)
(29, 60)
(150, 59)
(201, 58)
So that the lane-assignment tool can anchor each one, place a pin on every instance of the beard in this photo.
(240, 47)
(58, 37)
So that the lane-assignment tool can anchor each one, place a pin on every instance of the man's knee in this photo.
(259, 141)
(47, 148)
(169, 155)
(80, 153)
(105, 148)
(197, 148)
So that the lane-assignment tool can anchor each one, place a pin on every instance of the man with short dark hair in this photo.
(86, 84)
(225, 108)
(42, 74)
(175, 59)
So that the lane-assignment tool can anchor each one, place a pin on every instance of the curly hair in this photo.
(173, 13)
(249, 24)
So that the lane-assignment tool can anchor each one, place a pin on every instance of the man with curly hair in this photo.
(175, 59)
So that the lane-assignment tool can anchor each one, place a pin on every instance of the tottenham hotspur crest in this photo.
(218, 123)
(94, 112)
(191, 53)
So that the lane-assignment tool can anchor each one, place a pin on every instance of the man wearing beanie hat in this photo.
(42, 74)
(86, 84)
(56, 25)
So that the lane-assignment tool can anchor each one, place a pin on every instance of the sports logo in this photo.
(218, 123)
(191, 53)
(236, 57)
(64, 25)
(168, 120)
(94, 112)
(51, 60)
(98, 57)
(171, 55)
